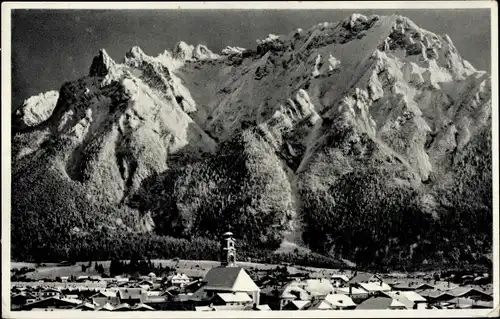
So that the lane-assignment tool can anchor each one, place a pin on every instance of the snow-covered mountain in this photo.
(359, 139)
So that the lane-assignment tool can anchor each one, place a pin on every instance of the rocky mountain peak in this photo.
(102, 64)
(183, 51)
(370, 112)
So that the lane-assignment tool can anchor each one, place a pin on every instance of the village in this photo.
(230, 286)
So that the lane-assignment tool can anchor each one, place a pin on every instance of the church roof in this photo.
(229, 279)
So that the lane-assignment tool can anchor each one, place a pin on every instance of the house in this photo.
(339, 280)
(331, 302)
(104, 294)
(307, 289)
(436, 296)
(105, 307)
(20, 299)
(142, 307)
(179, 279)
(152, 275)
(468, 303)
(131, 296)
(49, 292)
(410, 299)
(472, 293)
(51, 303)
(193, 285)
(364, 277)
(478, 304)
(340, 301)
(412, 286)
(82, 278)
(85, 306)
(356, 294)
(444, 285)
(101, 301)
(157, 302)
(234, 298)
(271, 296)
(204, 308)
(372, 287)
(228, 277)
(381, 302)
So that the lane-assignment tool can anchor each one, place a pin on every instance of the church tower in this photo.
(228, 251)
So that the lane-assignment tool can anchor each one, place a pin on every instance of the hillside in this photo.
(367, 139)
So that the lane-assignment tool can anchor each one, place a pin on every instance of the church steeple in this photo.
(228, 250)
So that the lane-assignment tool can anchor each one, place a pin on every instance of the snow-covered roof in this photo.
(340, 300)
(413, 296)
(375, 286)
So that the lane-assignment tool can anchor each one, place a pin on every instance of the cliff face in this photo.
(361, 139)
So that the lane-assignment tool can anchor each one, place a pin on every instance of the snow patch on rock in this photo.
(37, 109)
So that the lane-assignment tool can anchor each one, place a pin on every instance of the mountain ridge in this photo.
(268, 139)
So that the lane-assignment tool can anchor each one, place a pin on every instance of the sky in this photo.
(50, 47)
